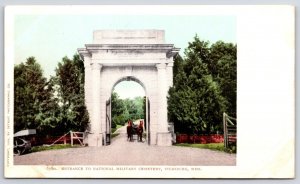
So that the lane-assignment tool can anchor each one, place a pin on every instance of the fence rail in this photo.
(77, 136)
(229, 125)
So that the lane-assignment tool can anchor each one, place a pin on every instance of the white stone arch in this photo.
(112, 75)
(117, 54)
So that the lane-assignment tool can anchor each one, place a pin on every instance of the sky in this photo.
(51, 37)
(129, 89)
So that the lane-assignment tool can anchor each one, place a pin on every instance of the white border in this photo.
(266, 90)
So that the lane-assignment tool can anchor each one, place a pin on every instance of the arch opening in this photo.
(128, 101)
(129, 79)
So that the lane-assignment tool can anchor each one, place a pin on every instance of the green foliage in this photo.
(124, 109)
(53, 147)
(115, 128)
(118, 111)
(69, 82)
(117, 104)
(227, 79)
(52, 107)
(140, 104)
(135, 108)
(224, 56)
(114, 135)
(204, 87)
(32, 96)
(118, 120)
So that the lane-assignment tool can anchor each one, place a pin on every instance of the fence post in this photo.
(71, 133)
(224, 129)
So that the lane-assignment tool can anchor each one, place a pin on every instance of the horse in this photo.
(140, 130)
(129, 131)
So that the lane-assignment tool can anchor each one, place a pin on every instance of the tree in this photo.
(224, 57)
(55, 106)
(131, 108)
(139, 104)
(49, 111)
(197, 52)
(69, 82)
(32, 96)
(124, 109)
(199, 97)
(119, 117)
(117, 105)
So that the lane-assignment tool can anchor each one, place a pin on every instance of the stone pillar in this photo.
(87, 85)
(170, 74)
(87, 92)
(95, 136)
(163, 135)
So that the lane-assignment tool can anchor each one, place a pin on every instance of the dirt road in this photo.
(122, 152)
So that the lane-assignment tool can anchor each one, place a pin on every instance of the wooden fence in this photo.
(229, 125)
(69, 137)
(77, 136)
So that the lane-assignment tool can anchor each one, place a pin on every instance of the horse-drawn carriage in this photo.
(133, 129)
(22, 141)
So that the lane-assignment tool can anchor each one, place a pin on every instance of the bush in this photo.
(113, 124)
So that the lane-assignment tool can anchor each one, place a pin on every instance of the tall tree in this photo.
(69, 81)
(117, 104)
(32, 96)
(197, 99)
(118, 110)
(224, 58)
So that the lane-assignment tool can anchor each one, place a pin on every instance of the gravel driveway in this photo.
(122, 152)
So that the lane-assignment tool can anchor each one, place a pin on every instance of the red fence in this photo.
(51, 139)
(199, 139)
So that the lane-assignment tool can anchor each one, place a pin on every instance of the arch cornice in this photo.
(168, 49)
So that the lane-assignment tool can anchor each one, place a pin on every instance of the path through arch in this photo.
(131, 93)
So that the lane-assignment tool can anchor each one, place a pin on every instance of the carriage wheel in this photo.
(17, 152)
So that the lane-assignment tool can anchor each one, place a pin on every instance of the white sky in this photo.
(51, 37)
(129, 89)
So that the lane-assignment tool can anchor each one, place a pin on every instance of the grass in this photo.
(114, 135)
(211, 146)
(53, 147)
(113, 131)
(117, 127)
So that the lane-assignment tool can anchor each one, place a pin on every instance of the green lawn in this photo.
(53, 147)
(119, 126)
(211, 146)
(114, 129)
(114, 135)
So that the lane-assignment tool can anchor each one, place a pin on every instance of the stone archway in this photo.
(146, 111)
(137, 54)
